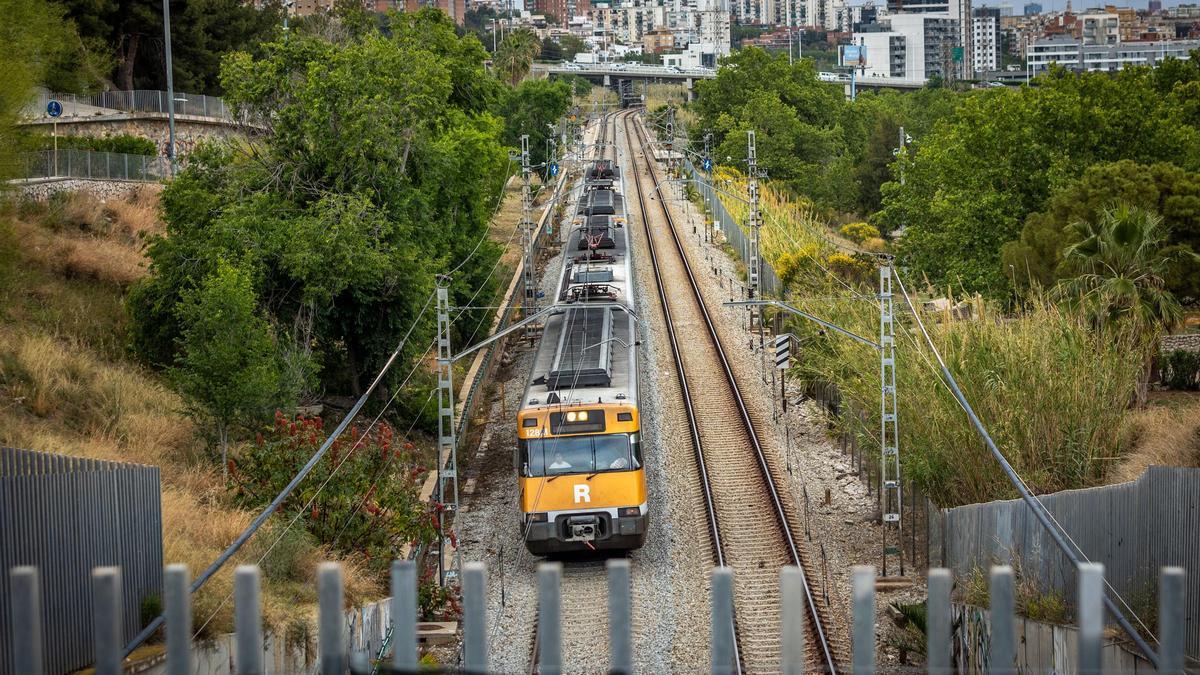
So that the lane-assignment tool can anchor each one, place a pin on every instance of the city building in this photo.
(1155, 6)
(1032, 8)
(912, 46)
(658, 41)
(1098, 28)
(1079, 56)
(985, 39)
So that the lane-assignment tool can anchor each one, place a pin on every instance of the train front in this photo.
(582, 482)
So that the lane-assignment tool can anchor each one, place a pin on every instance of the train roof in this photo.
(588, 349)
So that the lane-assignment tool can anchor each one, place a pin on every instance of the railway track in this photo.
(747, 511)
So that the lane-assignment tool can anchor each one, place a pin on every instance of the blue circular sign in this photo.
(53, 108)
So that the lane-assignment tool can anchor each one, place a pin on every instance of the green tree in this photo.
(202, 31)
(514, 57)
(227, 366)
(379, 167)
(976, 177)
(532, 107)
(1162, 188)
(1119, 262)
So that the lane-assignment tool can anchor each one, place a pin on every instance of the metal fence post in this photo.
(247, 621)
(1091, 618)
(1172, 619)
(475, 638)
(863, 644)
(177, 604)
(331, 626)
(404, 615)
(791, 593)
(107, 619)
(26, 621)
(620, 618)
(723, 645)
(549, 617)
(938, 622)
(1002, 657)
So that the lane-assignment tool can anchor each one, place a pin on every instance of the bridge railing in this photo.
(958, 638)
(135, 101)
(88, 164)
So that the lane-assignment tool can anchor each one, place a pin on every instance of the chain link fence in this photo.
(88, 164)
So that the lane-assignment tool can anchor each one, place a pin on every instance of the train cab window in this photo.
(578, 454)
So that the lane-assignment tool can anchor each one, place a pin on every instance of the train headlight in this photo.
(580, 416)
(536, 517)
(629, 511)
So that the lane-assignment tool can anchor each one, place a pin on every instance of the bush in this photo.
(851, 268)
(1180, 370)
(370, 500)
(123, 143)
(859, 232)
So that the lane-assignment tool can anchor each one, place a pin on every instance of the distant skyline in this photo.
(1076, 5)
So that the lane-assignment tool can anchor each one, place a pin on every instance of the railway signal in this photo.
(783, 351)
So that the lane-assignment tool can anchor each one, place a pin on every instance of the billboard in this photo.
(852, 56)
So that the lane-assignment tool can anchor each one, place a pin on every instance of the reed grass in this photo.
(1053, 392)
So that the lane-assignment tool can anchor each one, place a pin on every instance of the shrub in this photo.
(1180, 369)
(122, 143)
(363, 497)
(859, 232)
(851, 268)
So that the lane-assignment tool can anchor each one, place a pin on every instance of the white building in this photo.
(1078, 56)
(1100, 28)
(913, 46)
(985, 39)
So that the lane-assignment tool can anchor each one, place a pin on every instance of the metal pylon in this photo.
(529, 270)
(754, 223)
(446, 494)
(891, 504)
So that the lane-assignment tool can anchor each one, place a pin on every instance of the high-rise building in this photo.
(1155, 6)
(912, 45)
(1032, 8)
(985, 39)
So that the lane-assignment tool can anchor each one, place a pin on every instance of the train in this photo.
(579, 448)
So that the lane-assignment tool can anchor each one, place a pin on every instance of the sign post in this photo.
(54, 109)
(853, 57)
(783, 355)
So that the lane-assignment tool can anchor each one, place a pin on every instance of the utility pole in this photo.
(890, 494)
(752, 272)
(670, 144)
(170, 86)
(708, 218)
(447, 477)
(528, 273)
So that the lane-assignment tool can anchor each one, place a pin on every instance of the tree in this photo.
(532, 108)
(1162, 188)
(976, 177)
(34, 36)
(514, 57)
(202, 31)
(378, 167)
(1119, 263)
(227, 366)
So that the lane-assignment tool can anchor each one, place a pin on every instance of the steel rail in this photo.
(780, 515)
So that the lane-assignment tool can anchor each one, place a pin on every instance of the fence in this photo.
(66, 515)
(993, 643)
(733, 230)
(1132, 528)
(94, 165)
(135, 101)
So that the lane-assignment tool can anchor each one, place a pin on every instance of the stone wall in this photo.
(1189, 342)
(189, 130)
(41, 188)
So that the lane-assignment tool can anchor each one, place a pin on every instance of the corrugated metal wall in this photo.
(67, 515)
(1132, 528)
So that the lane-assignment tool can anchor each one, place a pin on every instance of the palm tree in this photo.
(1120, 261)
(515, 55)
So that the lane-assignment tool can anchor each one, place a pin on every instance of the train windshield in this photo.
(578, 454)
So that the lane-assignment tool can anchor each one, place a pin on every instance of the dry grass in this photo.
(84, 237)
(66, 388)
(1159, 436)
